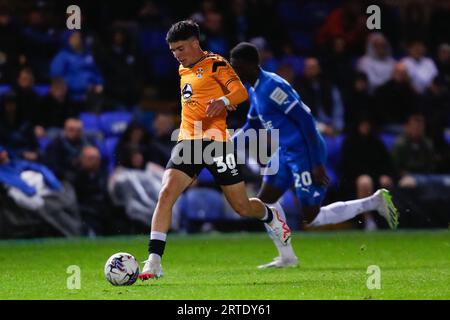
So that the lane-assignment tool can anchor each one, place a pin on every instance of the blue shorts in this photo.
(295, 169)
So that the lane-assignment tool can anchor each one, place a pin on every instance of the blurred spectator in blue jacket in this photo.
(62, 153)
(10, 171)
(77, 67)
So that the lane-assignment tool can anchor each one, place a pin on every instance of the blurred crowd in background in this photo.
(86, 115)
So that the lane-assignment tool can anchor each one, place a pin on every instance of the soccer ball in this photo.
(122, 269)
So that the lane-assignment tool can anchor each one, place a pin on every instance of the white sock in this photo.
(285, 252)
(343, 211)
(154, 257)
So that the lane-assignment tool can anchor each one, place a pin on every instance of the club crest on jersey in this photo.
(187, 91)
(199, 72)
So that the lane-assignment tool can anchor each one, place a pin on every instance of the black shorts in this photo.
(191, 156)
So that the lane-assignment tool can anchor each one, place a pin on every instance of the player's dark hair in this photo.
(183, 30)
(245, 51)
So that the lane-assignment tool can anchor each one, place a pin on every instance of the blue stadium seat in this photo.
(334, 147)
(203, 204)
(107, 149)
(388, 140)
(114, 123)
(4, 88)
(90, 121)
(41, 89)
(151, 41)
(43, 142)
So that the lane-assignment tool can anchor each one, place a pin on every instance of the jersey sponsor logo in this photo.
(278, 95)
(187, 91)
(199, 72)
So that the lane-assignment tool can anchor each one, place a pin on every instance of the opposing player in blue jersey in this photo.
(274, 104)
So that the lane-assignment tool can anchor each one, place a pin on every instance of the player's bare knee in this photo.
(165, 196)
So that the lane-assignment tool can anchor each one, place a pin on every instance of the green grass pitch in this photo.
(414, 265)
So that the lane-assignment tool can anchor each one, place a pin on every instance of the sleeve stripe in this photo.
(291, 106)
(230, 80)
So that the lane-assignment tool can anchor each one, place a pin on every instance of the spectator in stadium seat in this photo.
(366, 164)
(322, 97)
(27, 99)
(77, 67)
(163, 127)
(90, 185)
(10, 175)
(120, 65)
(377, 63)
(11, 55)
(395, 100)
(55, 108)
(421, 69)
(216, 39)
(137, 139)
(358, 103)
(17, 134)
(338, 65)
(443, 62)
(40, 41)
(347, 21)
(62, 153)
(413, 151)
(436, 108)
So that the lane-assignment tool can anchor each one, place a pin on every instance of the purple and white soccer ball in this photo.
(121, 269)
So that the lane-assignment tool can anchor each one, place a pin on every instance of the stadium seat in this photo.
(388, 140)
(107, 149)
(334, 147)
(114, 123)
(4, 88)
(41, 89)
(151, 41)
(43, 142)
(90, 121)
(203, 204)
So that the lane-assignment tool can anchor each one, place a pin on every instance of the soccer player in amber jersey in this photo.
(209, 87)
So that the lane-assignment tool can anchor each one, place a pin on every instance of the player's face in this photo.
(185, 51)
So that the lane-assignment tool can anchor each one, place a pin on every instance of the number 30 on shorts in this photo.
(229, 163)
(303, 180)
